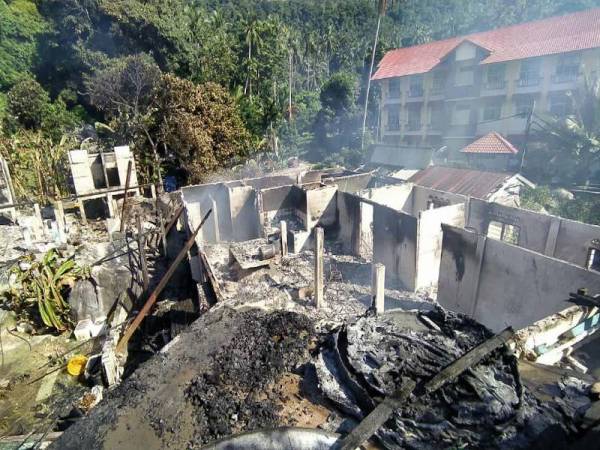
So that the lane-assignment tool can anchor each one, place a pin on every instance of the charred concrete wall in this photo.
(429, 241)
(395, 245)
(500, 284)
(563, 239)
(350, 222)
(321, 207)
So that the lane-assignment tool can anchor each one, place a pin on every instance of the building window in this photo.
(523, 105)
(461, 115)
(465, 76)
(495, 76)
(436, 117)
(492, 111)
(394, 88)
(414, 117)
(393, 118)
(567, 69)
(530, 72)
(560, 105)
(416, 86)
(504, 232)
(439, 79)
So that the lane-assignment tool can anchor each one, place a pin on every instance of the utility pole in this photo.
(381, 13)
(527, 129)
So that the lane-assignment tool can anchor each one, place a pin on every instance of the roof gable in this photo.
(491, 143)
(560, 34)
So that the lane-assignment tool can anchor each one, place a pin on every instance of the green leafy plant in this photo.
(39, 294)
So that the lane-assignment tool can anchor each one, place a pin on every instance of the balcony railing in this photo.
(565, 77)
(529, 79)
(495, 84)
(413, 126)
(415, 91)
(393, 125)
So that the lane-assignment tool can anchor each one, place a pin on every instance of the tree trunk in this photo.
(364, 125)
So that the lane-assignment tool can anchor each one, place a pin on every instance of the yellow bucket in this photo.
(76, 365)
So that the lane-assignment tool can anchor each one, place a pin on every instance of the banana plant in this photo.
(43, 285)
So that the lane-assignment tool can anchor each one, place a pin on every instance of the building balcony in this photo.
(459, 92)
(392, 127)
(494, 85)
(529, 80)
(467, 130)
(565, 76)
(414, 126)
(434, 128)
(415, 91)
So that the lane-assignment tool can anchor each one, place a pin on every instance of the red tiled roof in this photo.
(491, 143)
(475, 183)
(560, 34)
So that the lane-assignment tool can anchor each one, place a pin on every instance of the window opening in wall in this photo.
(523, 105)
(394, 88)
(567, 69)
(495, 76)
(393, 121)
(503, 232)
(465, 76)
(530, 72)
(492, 111)
(416, 86)
(593, 260)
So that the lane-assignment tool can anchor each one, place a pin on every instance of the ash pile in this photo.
(238, 392)
(485, 407)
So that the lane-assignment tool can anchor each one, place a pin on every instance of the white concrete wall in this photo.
(429, 241)
(398, 197)
(503, 285)
(81, 172)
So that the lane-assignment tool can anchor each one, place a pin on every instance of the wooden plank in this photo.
(141, 240)
(159, 288)
(124, 210)
(370, 424)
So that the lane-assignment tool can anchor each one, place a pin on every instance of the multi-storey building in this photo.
(452, 92)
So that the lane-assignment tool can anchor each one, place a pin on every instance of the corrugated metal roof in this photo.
(475, 183)
(491, 143)
(560, 34)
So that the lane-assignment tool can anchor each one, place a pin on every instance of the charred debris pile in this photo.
(239, 371)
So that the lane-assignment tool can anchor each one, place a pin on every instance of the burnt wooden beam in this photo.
(159, 288)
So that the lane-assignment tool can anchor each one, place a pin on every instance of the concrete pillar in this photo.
(378, 287)
(59, 213)
(82, 211)
(111, 205)
(284, 243)
(215, 217)
(318, 281)
(39, 225)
